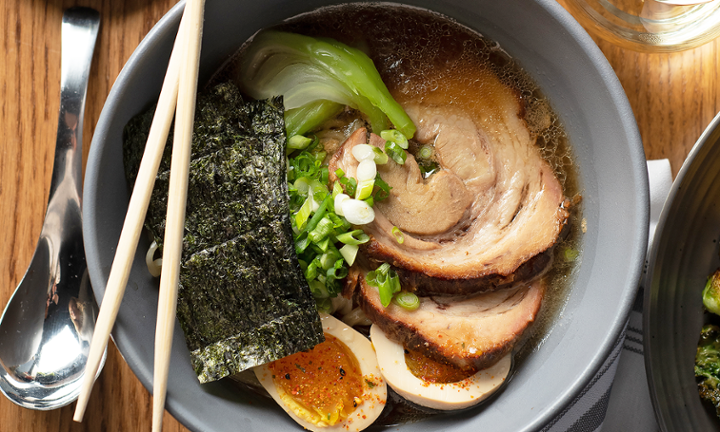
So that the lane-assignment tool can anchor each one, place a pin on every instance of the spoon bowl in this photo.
(47, 325)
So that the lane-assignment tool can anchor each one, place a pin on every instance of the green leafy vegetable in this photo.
(306, 70)
(707, 365)
(711, 293)
(299, 121)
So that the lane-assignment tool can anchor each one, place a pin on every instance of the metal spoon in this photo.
(46, 328)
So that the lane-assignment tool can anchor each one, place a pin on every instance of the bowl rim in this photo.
(610, 81)
(708, 137)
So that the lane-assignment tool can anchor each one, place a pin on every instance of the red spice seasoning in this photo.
(325, 379)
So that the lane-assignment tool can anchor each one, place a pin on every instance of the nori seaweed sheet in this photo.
(243, 299)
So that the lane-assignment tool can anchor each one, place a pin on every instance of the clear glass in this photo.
(650, 25)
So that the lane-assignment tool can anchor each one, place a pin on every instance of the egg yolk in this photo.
(432, 371)
(321, 385)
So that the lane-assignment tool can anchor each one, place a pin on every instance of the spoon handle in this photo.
(79, 33)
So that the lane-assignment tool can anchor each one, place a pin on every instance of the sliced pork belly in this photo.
(487, 219)
(471, 332)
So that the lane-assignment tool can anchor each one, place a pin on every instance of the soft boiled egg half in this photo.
(335, 386)
(446, 390)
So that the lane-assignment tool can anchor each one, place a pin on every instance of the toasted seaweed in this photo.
(243, 299)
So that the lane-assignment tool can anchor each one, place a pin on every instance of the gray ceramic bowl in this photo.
(584, 91)
(684, 253)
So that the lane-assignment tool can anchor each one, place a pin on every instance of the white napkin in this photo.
(617, 398)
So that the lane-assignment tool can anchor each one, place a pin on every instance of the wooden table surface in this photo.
(674, 97)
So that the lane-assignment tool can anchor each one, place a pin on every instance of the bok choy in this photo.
(317, 76)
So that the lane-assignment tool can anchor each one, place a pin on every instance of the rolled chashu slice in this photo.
(491, 214)
(471, 332)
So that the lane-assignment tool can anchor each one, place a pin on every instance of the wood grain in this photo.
(673, 96)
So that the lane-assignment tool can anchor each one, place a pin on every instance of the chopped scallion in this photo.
(364, 189)
(399, 236)
(339, 198)
(407, 300)
(386, 281)
(380, 157)
(355, 237)
(304, 213)
(366, 170)
(319, 213)
(349, 252)
(395, 136)
(337, 190)
(395, 152)
(570, 254)
(318, 289)
(358, 212)
(363, 152)
(321, 230)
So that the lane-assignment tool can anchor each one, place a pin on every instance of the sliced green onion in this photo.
(366, 170)
(302, 243)
(407, 300)
(383, 189)
(303, 265)
(570, 254)
(399, 236)
(304, 213)
(358, 212)
(318, 289)
(298, 142)
(425, 152)
(380, 157)
(339, 173)
(319, 189)
(321, 231)
(337, 271)
(320, 156)
(336, 190)
(324, 175)
(311, 271)
(339, 198)
(364, 189)
(363, 152)
(395, 152)
(349, 252)
(327, 260)
(319, 213)
(395, 136)
(369, 201)
(355, 237)
(350, 184)
(386, 281)
(324, 244)
(302, 185)
(339, 224)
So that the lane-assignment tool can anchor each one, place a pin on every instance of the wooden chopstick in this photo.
(177, 201)
(132, 227)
